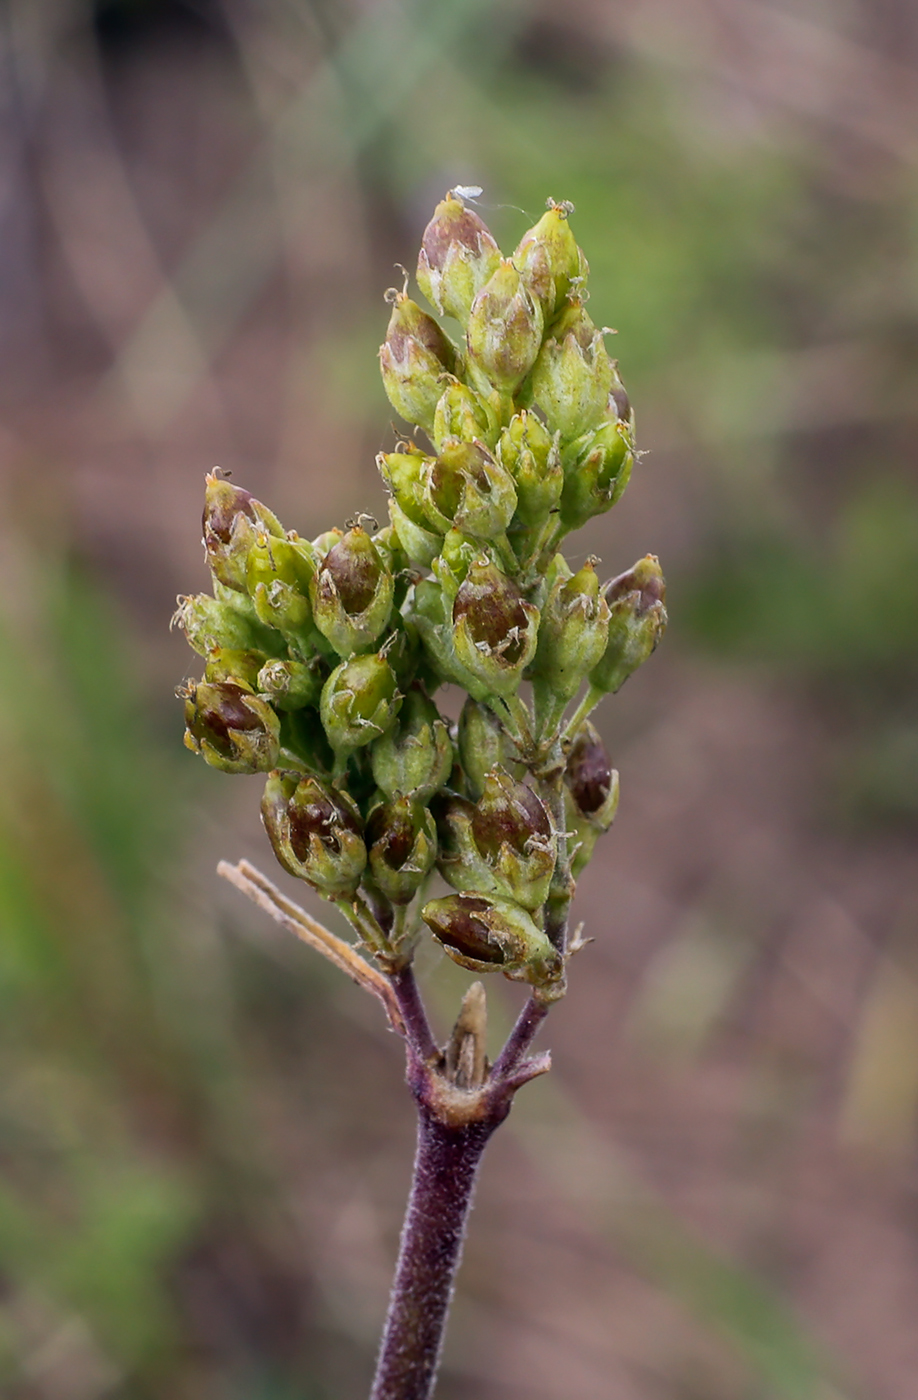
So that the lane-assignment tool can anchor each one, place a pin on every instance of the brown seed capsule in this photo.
(230, 727)
(591, 793)
(402, 842)
(468, 490)
(352, 593)
(493, 935)
(316, 833)
(495, 629)
(232, 519)
(503, 845)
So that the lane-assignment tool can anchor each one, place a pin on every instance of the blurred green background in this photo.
(204, 1138)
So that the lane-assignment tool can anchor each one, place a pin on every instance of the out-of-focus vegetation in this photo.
(202, 1145)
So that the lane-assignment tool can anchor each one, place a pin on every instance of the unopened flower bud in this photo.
(590, 794)
(402, 843)
(493, 935)
(463, 414)
(359, 701)
(637, 621)
(531, 456)
(405, 473)
(458, 255)
(230, 727)
(278, 575)
(598, 468)
(351, 593)
(549, 260)
(504, 329)
(572, 377)
(572, 633)
(316, 833)
(232, 518)
(484, 744)
(467, 489)
(413, 357)
(290, 685)
(494, 629)
(416, 755)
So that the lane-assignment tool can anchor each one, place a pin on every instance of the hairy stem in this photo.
(445, 1168)
(417, 1027)
(521, 1037)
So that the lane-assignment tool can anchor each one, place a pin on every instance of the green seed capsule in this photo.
(463, 414)
(572, 633)
(290, 685)
(414, 356)
(416, 755)
(230, 727)
(458, 255)
(597, 471)
(572, 377)
(210, 623)
(316, 833)
(468, 490)
(531, 456)
(549, 260)
(504, 329)
(359, 702)
(457, 555)
(277, 577)
(484, 744)
(637, 621)
(405, 473)
(241, 667)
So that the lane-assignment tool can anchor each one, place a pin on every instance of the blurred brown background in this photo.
(204, 1139)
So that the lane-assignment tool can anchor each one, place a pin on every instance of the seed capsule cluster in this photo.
(322, 658)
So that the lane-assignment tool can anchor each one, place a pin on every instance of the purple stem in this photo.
(520, 1038)
(445, 1168)
(420, 1036)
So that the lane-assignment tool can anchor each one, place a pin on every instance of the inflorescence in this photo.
(323, 658)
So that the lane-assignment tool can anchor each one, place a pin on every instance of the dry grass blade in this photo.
(268, 897)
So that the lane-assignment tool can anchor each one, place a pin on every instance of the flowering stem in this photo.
(445, 1168)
